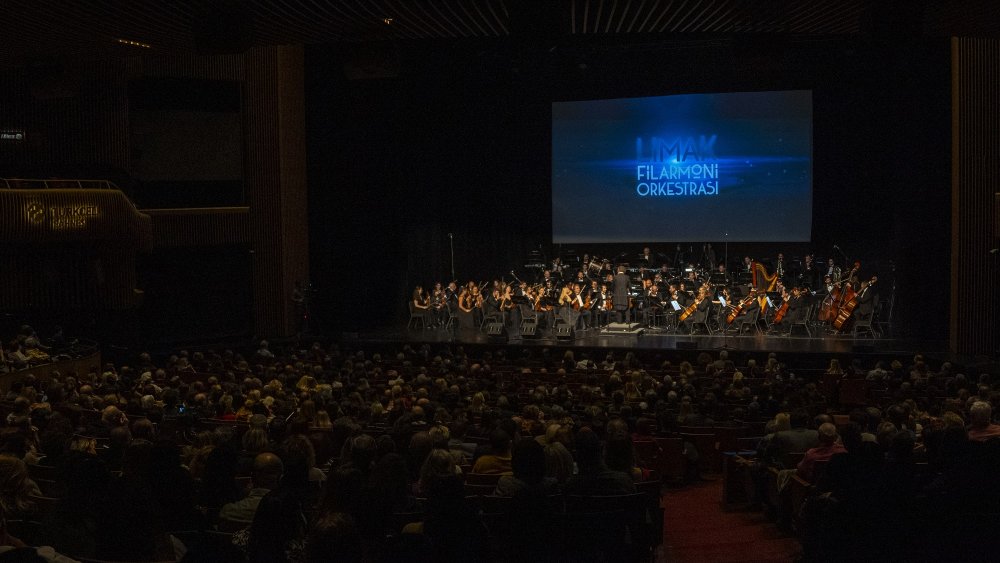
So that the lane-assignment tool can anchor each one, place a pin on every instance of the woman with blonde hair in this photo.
(17, 488)
(322, 420)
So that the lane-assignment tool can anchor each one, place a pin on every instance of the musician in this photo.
(680, 257)
(748, 312)
(833, 270)
(701, 304)
(581, 278)
(708, 254)
(439, 306)
(828, 285)
(793, 314)
(654, 304)
(580, 307)
(491, 302)
(683, 297)
(779, 266)
(866, 300)
(547, 277)
(620, 295)
(558, 267)
(421, 303)
(809, 274)
(600, 304)
(646, 258)
(692, 277)
(451, 294)
(747, 264)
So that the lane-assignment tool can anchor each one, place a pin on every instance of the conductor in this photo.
(620, 295)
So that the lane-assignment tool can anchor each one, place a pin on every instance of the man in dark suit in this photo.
(620, 294)
(866, 299)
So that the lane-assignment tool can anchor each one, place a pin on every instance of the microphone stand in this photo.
(451, 245)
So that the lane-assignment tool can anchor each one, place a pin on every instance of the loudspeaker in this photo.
(682, 345)
(564, 332)
(494, 329)
(529, 330)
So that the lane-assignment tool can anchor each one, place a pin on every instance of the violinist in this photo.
(580, 306)
(439, 305)
(600, 305)
(451, 294)
(466, 305)
(581, 278)
(684, 298)
(421, 303)
(565, 302)
(654, 304)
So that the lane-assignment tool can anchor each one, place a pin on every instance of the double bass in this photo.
(830, 307)
(847, 309)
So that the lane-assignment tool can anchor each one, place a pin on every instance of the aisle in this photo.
(696, 529)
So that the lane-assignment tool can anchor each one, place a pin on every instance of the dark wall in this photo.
(458, 143)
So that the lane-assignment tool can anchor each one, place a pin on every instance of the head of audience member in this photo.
(980, 414)
(528, 462)
(827, 434)
(16, 487)
(267, 471)
(619, 454)
(500, 443)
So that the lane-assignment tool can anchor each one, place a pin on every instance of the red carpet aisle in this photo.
(696, 529)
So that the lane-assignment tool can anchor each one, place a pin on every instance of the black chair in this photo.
(416, 315)
(750, 319)
(623, 532)
(804, 323)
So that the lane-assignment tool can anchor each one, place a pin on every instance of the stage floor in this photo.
(659, 340)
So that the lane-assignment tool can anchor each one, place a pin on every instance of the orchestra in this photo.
(772, 296)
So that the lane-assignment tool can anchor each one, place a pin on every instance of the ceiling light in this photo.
(131, 43)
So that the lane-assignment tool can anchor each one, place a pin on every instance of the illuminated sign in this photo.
(11, 135)
(677, 167)
(61, 217)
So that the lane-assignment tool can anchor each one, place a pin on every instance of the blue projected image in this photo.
(684, 168)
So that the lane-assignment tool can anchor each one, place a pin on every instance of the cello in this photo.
(847, 309)
(743, 304)
(783, 310)
(692, 307)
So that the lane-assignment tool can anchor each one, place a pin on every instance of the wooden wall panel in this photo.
(77, 113)
(213, 226)
(975, 176)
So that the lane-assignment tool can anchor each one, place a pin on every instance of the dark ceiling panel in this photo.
(42, 29)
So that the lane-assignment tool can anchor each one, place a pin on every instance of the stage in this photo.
(656, 339)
